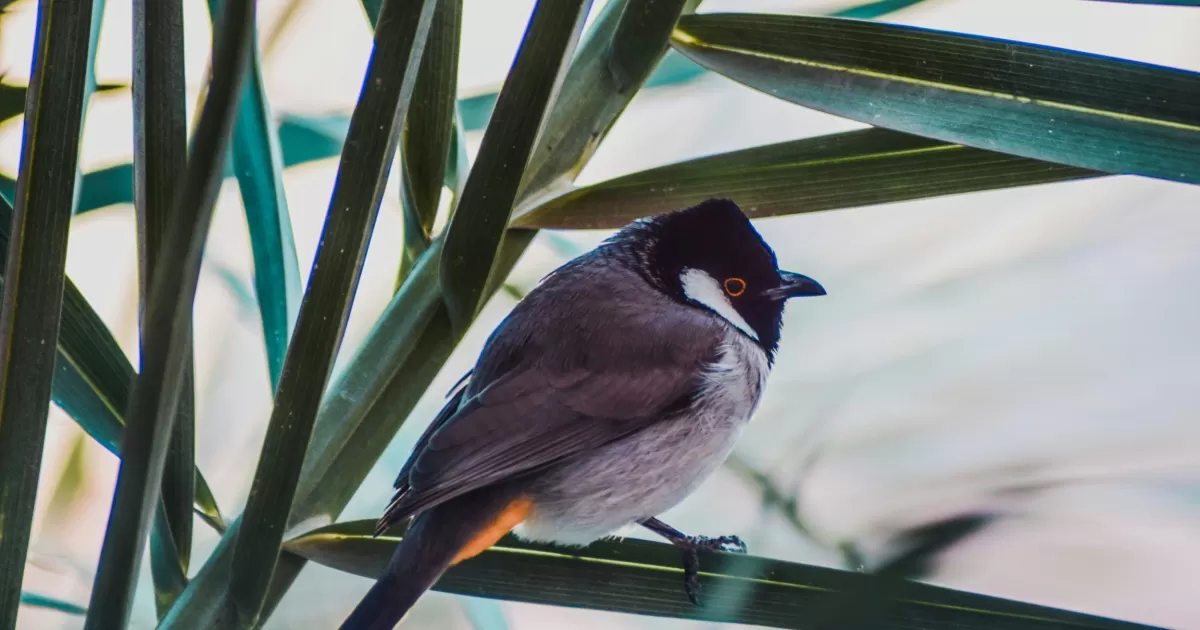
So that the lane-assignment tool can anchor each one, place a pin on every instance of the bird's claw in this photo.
(691, 547)
(727, 544)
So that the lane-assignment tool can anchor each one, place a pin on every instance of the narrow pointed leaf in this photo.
(428, 132)
(844, 170)
(481, 214)
(354, 206)
(258, 165)
(34, 273)
(165, 335)
(640, 32)
(1037, 102)
(646, 578)
(160, 157)
(42, 601)
(93, 378)
(12, 97)
(872, 10)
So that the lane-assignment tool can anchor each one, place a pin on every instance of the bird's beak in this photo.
(794, 285)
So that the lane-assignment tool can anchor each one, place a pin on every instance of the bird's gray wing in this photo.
(556, 405)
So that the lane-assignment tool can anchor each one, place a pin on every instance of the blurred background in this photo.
(1032, 352)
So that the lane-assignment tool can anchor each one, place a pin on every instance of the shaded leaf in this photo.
(42, 601)
(310, 138)
(867, 603)
(872, 10)
(1034, 101)
(429, 131)
(258, 166)
(93, 379)
(12, 97)
(34, 273)
(844, 170)
(353, 208)
(167, 326)
(646, 578)
(160, 157)
(477, 110)
(602, 80)
(481, 214)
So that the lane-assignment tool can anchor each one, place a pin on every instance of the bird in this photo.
(605, 397)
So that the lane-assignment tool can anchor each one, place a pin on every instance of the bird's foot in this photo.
(691, 546)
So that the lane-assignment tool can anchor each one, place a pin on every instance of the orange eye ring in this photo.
(735, 286)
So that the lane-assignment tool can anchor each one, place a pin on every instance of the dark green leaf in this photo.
(12, 98)
(646, 578)
(481, 214)
(160, 157)
(93, 379)
(598, 88)
(357, 192)
(34, 274)
(42, 601)
(844, 170)
(428, 133)
(372, 8)
(1038, 102)
(167, 326)
(258, 165)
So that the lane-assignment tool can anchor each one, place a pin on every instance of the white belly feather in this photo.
(597, 493)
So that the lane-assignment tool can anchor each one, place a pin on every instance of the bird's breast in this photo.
(646, 473)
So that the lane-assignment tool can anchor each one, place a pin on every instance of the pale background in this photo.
(1035, 349)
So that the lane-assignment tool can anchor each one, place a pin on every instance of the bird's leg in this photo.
(691, 545)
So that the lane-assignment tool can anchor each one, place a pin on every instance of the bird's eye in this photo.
(735, 286)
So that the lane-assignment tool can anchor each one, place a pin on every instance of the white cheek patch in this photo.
(703, 288)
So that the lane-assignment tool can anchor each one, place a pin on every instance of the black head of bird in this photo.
(710, 256)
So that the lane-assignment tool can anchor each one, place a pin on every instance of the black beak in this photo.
(794, 285)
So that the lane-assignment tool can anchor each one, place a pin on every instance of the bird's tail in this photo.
(437, 539)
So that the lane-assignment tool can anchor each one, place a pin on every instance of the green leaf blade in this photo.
(429, 131)
(52, 603)
(844, 170)
(160, 157)
(1033, 101)
(167, 326)
(629, 39)
(258, 166)
(481, 216)
(646, 578)
(35, 273)
(354, 206)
